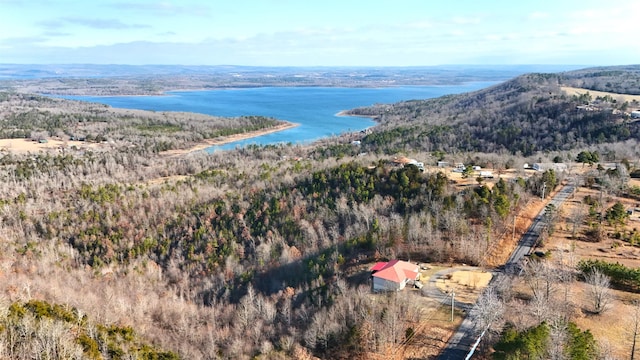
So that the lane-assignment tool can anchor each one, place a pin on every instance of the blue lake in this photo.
(314, 108)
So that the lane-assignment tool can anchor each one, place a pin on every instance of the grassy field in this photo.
(618, 97)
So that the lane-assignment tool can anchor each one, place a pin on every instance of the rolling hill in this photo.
(521, 116)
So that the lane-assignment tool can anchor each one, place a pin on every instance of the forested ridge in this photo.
(521, 116)
(36, 117)
(615, 79)
(123, 252)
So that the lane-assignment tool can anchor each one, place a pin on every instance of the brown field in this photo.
(619, 97)
(24, 146)
(613, 326)
(467, 284)
(609, 249)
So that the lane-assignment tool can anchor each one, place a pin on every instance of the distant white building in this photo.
(486, 174)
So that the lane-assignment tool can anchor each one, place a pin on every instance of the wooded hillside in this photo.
(520, 116)
(262, 252)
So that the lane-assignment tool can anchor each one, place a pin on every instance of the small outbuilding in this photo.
(393, 275)
(486, 174)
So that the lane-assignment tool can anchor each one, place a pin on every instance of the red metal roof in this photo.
(379, 266)
(397, 271)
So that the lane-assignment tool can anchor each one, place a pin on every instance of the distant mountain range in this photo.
(478, 72)
(101, 80)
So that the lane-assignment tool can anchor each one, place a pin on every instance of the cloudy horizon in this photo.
(331, 33)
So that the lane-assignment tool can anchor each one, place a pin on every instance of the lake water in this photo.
(314, 108)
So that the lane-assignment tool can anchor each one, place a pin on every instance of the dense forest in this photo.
(121, 251)
(35, 117)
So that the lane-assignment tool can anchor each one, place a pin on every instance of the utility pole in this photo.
(453, 301)
(544, 186)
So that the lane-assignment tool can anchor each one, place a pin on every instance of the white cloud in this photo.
(94, 23)
(164, 8)
(24, 41)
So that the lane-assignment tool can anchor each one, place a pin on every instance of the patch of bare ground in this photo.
(24, 146)
(462, 182)
(432, 337)
(618, 97)
(429, 336)
(568, 237)
(466, 284)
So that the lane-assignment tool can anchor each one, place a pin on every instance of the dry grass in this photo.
(609, 249)
(619, 97)
(613, 326)
(435, 327)
(467, 284)
(24, 146)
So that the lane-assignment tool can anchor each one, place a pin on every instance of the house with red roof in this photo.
(393, 275)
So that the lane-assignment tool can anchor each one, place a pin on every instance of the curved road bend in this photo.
(462, 340)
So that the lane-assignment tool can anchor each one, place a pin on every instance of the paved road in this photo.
(529, 239)
(464, 338)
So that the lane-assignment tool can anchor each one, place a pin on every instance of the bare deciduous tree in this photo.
(557, 339)
(599, 290)
(577, 216)
(542, 277)
(488, 311)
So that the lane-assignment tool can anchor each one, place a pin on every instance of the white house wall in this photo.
(380, 284)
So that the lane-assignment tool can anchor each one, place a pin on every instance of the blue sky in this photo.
(326, 33)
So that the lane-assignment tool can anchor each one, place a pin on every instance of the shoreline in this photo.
(207, 143)
(345, 113)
